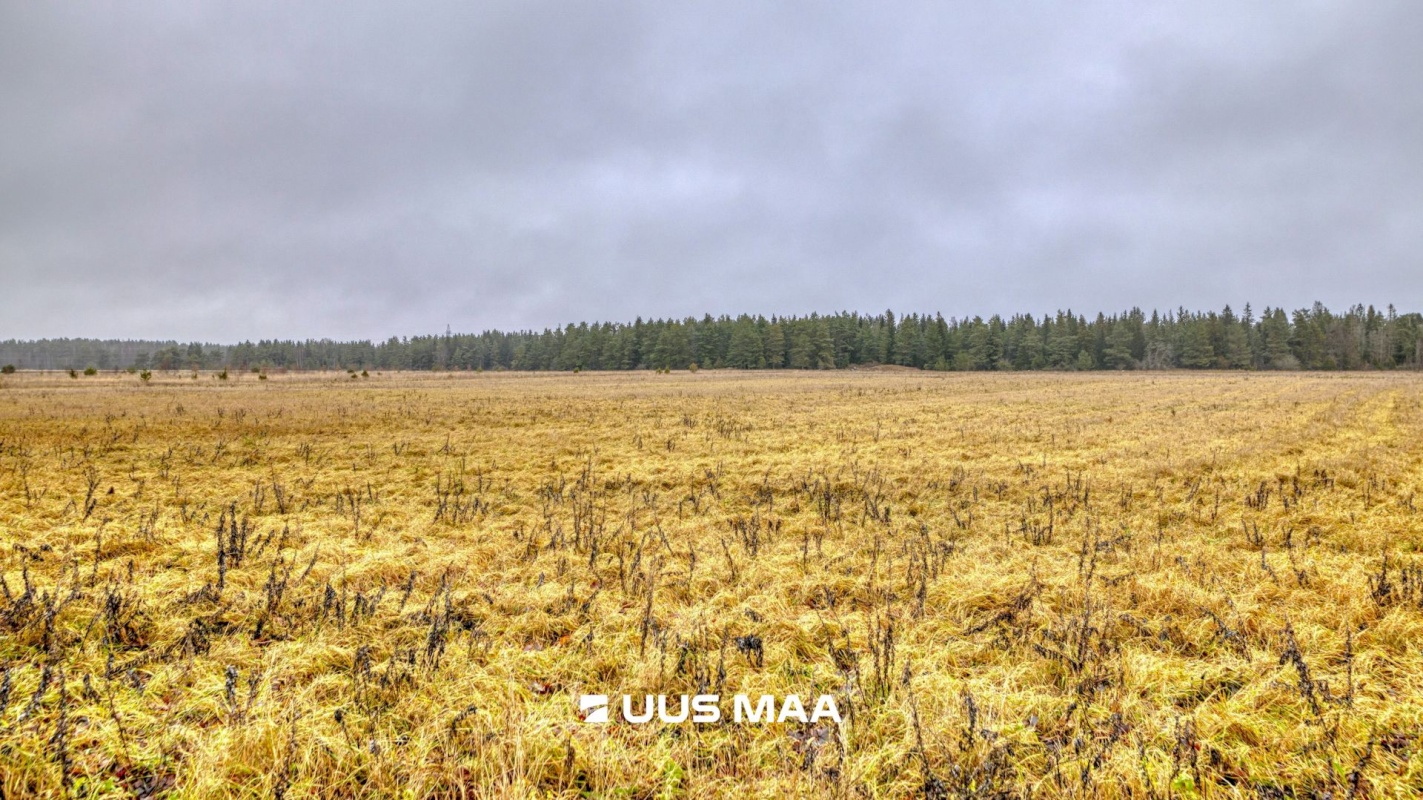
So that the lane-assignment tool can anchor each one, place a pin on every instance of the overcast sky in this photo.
(247, 170)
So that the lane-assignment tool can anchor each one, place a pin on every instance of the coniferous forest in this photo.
(1314, 338)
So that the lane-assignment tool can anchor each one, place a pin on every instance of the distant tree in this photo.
(982, 344)
(775, 346)
(811, 345)
(745, 350)
(673, 349)
(905, 339)
(1061, 341)
(886, 354)
(1026, 343)
(801, 355)
(1196, 352)
(869, 343)
(1307, 339)
(1235, 340)
(1117, 354)
(1275, 340)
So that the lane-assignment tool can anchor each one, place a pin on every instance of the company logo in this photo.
(593, 707)
(706, 708)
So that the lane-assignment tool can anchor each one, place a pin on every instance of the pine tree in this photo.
(1196, 352)
(1118, 351)
(775, 346)
(746, 350)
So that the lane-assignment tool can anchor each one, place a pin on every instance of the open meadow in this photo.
(1014, 585)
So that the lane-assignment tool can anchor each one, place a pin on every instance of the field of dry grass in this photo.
(1151, 585)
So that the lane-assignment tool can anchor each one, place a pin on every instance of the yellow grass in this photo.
(1015, 585)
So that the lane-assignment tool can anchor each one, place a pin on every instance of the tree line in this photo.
(1312, 338)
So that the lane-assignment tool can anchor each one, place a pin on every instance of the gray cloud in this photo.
(228, 171)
